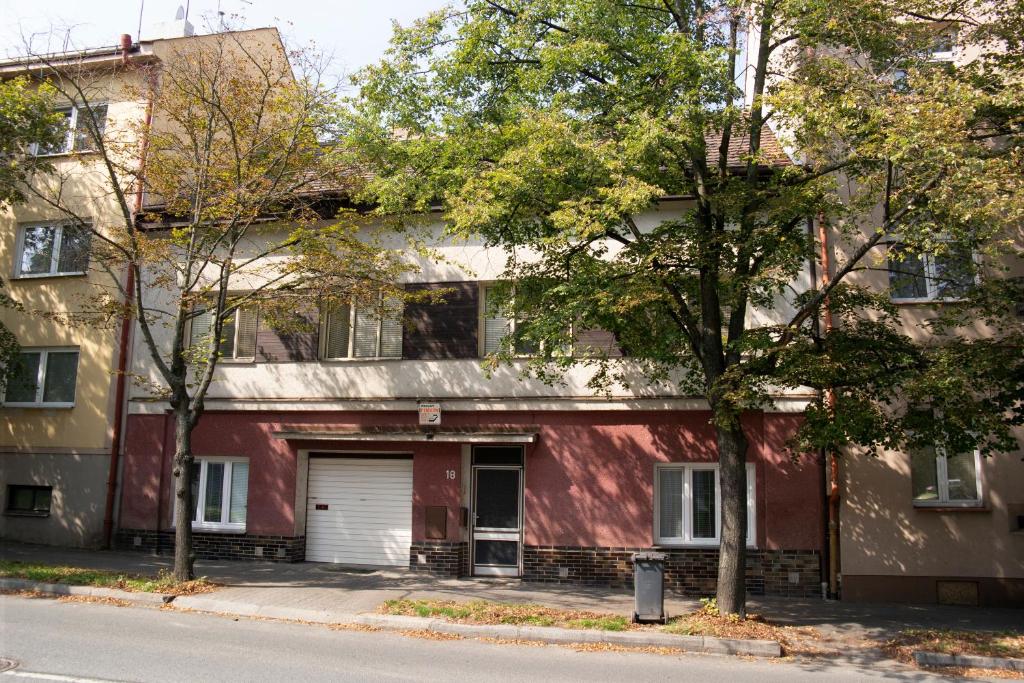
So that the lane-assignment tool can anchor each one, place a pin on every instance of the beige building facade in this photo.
(927, 526)
(58, 416)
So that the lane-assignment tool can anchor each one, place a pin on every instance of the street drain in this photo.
(6, 664)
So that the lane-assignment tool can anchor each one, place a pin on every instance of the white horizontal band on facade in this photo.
(782, 404)
(438, 437)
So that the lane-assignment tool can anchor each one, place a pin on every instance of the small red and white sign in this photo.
(430, 414)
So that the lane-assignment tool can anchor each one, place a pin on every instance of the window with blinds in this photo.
(688, 505)
(497, 324)
(220, 493)
(238, 333)
(363, 332)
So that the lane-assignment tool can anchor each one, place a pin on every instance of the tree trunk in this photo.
(732, 455)
(184, 506)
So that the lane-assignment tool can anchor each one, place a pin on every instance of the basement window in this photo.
(29, 501)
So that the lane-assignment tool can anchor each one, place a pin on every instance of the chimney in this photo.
(126, 47)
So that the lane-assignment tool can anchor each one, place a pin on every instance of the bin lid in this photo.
(648, 556)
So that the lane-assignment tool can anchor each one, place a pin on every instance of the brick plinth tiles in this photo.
(210, 546)
(689, 571)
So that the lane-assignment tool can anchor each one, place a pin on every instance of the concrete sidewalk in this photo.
(330, 589)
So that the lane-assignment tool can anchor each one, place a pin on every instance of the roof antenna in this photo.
(142, 6)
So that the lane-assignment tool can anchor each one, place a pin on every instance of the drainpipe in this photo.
(830, 403)
(126, 325)
(822, 454)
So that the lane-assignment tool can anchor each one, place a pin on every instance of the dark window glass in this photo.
(23, 381)
(954, 273)
(61, 372)
(84, 137)
(29, 499)
(37, 250)
(497, 455)
(501, 553)
(907, 275)
(497, 499)
(214, 491)
(74, 250)
(704, 503)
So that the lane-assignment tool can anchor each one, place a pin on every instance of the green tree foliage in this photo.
(240, 214)
(553, 127)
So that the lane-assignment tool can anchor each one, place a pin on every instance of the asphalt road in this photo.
(65, 641)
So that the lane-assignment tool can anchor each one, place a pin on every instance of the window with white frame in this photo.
(56, 249)
(940, 479)
(79, 135)
(42, 378)
(238, 333)
(220, 493)
(688, 504)
(363, 331)
(945, 276)
(498, 323)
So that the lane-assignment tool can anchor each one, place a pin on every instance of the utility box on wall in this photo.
(435, 520)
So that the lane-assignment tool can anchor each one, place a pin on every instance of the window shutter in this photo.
(670, 499)
(336, 345)
(200, 328)
(496, 326)
(246, 320)
(239, 492)
(367, 326)
(391, 331)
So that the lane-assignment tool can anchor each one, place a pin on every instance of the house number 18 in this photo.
(449, 474)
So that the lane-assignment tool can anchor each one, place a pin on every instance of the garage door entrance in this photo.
(359, 510)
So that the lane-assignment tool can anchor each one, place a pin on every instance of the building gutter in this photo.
(126, 321)
(831, 455)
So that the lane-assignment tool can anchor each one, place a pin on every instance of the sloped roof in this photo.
(772, 153)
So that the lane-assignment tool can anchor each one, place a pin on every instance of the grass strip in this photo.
(99, 578)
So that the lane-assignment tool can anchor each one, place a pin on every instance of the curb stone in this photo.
(395, 622)
(550, 634)
(975, 661)
(91, 591)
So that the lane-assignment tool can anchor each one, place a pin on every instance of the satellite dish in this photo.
(180, 14)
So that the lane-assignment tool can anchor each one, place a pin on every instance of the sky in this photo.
(353, 32)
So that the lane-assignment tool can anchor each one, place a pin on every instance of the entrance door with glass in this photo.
(497, 510)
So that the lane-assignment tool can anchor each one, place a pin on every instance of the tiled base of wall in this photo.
(209, 546)
(438, 558)
(690, 571)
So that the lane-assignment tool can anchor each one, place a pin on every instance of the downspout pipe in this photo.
(832, 455)
(822, 453)
(126, 324)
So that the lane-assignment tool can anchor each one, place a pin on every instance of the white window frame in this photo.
(201, 524)
(942, 483)
(41, 378)
(234, 357)
(353, 309)
(58, 239)
(930, 277)
(69, 138)
(687, 539)
(482, 319)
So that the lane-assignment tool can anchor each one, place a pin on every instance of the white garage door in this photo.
(359, 511)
